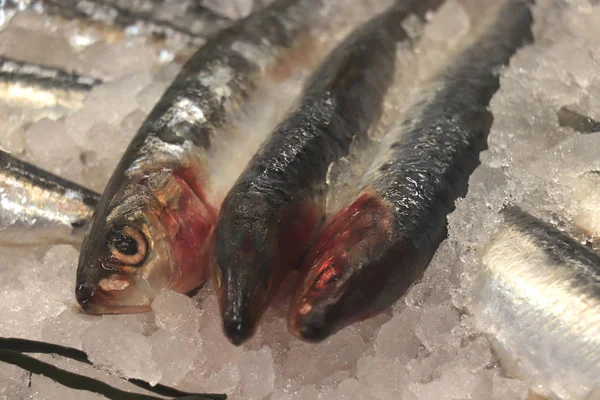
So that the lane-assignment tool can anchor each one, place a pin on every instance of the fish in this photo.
(38, 86)
(270, 215)
(377, 245)
(114, 21)
(538, 299)
(151, 225)
(38, 207)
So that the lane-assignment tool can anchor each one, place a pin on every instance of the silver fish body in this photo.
(37, 207)
(115, 20)
(37, 86)
(158, 210)
(538, 297)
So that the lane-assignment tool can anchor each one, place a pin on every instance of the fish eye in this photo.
(326, 278)
(128, 246)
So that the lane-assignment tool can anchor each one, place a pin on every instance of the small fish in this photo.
(539, 297)
(272, 212)
(117, 20)
(160, 205)
(38, 207)
(369, 253)
(37, 86)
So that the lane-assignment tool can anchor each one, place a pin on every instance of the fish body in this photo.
(370, 252)
(115, 20)
(538, 296)
(273, 210)
(160, 205)
(37, 86)
(38, 207)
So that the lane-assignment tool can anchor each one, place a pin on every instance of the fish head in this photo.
(124, 257)
(243, 274)
(338, 280)
(148, 237)
(255, 250)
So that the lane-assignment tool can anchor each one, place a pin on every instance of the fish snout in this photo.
(237, 328)
(84, 293)
(308, 324)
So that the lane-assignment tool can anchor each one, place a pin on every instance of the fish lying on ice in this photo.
(368, 254)
(39, 207)
(37, 86)
(160, 205)
(538, 296)
(108, 21)
(273, 210)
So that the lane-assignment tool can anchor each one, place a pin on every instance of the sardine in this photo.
(370, 252)
(38, 207)
(116, 21)
(161, 203)
(272, 212)
(37, 86)
(538, 296)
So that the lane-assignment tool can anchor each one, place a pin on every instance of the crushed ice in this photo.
(426, 347)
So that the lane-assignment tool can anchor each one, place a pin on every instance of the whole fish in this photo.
(39, 207)
(37, 86)
(538, 296)
(272, 212)
(369, 253)
(160, 205)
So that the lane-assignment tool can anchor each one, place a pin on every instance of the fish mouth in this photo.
(239, 322)
(95, 301)
(237, 329)
(308, 323)
(240, 311)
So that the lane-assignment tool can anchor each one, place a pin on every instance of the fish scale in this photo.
(538, 294)
(39, 207)
(370, 252)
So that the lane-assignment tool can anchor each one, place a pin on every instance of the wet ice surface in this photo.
(427, 346)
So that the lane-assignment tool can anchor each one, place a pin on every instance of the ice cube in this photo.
(455, 383)
(114, 61)
(384, 377)
(396, 339)
(121, 350)
(436, 325)
(48, 147)
(174, 352)
(65, 329)
(310, 363)
(257, 374)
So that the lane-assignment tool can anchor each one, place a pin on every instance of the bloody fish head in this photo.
(341, 275)
(254, 252)
(149, 236)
